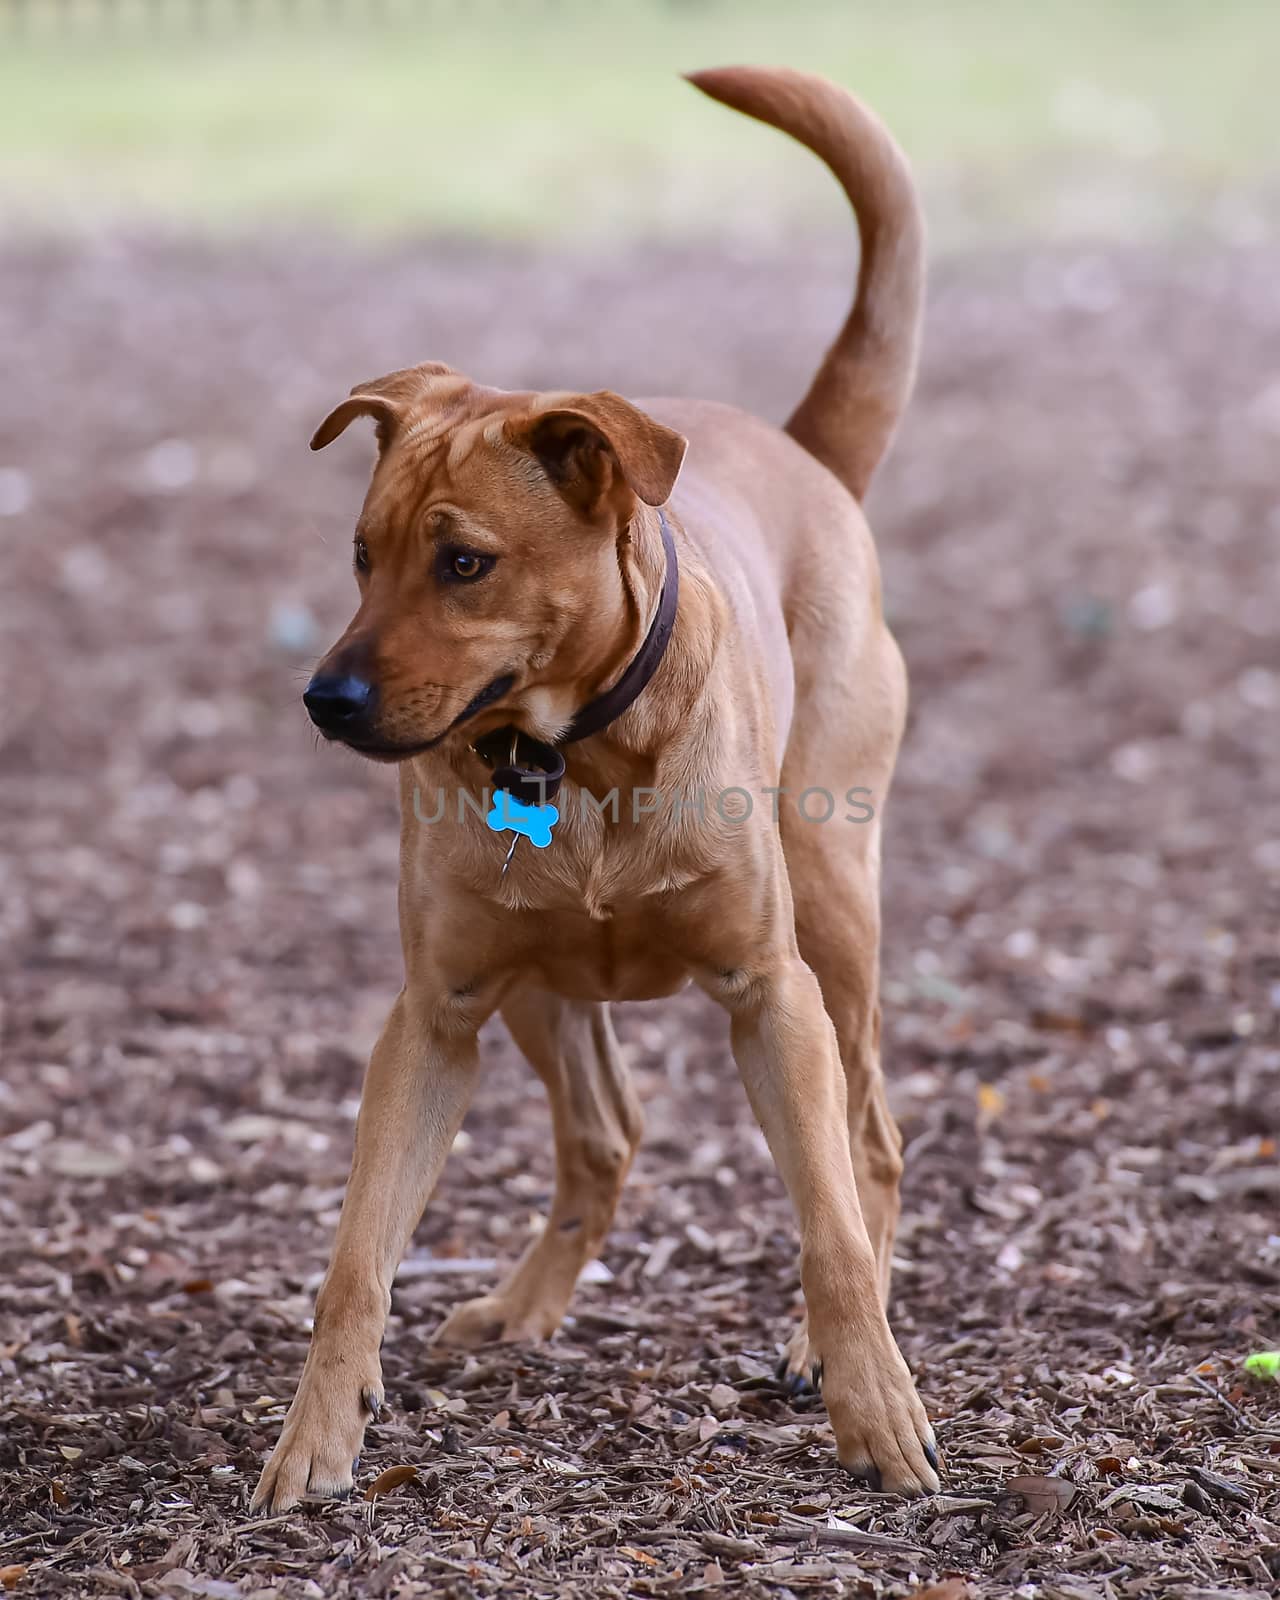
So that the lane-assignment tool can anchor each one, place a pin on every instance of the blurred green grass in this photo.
(558, 117)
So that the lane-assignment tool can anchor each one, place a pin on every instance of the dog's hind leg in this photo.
(596, 1124)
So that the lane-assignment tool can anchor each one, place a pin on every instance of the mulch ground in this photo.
(1080, 530)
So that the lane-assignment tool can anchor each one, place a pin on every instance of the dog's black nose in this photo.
(337, 701)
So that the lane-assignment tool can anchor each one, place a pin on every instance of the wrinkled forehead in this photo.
(451, 443)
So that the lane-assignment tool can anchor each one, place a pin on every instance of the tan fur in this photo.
(849, 414)
(780, 673)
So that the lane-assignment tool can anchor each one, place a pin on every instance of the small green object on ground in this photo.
(1263, 1364)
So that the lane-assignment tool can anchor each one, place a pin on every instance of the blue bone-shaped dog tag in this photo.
(510, 815)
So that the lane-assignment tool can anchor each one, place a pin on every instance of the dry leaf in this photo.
(392, 1478)
(1039, 1444)
(1148, 1496)
(73, 1160)
(948, 1589)
(660, 1256)
(1219, 1487)
(639, 1555)
(11, 1577)
(1057, 1022)
(723, 1399)
(990, 1100)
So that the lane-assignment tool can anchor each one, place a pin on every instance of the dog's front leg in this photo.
(416, 1093)
(786, 1050)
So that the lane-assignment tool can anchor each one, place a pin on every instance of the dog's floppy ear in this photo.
(590, 445)
(384, 412)
(383, 399)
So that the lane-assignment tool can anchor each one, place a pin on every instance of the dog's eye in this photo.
(362, 556)
(463, 566)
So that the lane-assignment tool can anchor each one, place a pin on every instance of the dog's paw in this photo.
(319, 1446)
(883, 1437)
(800, 1370)
(492, 1319)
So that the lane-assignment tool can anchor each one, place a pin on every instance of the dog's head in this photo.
(490, 556)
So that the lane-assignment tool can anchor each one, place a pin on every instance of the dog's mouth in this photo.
(391, 751)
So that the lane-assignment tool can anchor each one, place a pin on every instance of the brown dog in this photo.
(515, 568)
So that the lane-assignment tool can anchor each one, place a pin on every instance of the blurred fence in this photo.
(195, 16)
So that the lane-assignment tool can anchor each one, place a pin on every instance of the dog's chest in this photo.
(623, 956)
(615, 913)
(607, 865)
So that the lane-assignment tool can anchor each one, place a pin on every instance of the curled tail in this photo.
(861, 389)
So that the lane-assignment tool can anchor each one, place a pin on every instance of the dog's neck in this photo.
(611, 710)
(626, 751)
(650, 573)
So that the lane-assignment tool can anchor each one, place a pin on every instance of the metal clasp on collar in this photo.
(510, 814)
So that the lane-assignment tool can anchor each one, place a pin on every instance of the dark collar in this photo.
(531, 770)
